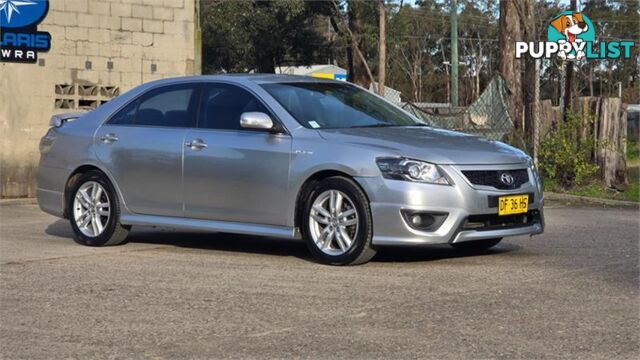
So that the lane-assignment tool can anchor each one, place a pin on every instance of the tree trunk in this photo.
(529, 80)
(510, 68)
(605, 123)
(266, 64)
(568, 84)
(476, 90)
(382, 47)
(360, 73)
(612, 136)
(419, 99)
(591, 80)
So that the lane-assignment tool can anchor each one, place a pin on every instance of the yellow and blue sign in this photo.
(340, 77)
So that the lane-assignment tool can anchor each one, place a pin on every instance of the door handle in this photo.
(109, 138)
(196, 144)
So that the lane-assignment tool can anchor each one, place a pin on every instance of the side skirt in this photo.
(209, 225)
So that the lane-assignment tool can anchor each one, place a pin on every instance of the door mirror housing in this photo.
(256, 120)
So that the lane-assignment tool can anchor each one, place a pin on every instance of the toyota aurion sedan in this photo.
(285, 157)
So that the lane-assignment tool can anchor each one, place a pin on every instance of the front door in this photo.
(142, 147)
(230, 173)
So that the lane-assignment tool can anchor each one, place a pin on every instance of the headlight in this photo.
(411, 170)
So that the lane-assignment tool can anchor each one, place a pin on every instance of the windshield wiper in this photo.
(374, 125)
(386, 125)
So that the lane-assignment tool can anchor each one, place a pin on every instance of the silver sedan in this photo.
(282, 156)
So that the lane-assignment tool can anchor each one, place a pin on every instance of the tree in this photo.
(509, 66)
(359, 71)
(416, 46)
(477, 31)
(525, 10)
(240, 36)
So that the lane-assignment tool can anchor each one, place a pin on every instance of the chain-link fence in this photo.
(487, 116)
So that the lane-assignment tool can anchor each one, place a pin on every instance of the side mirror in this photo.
(256, 120)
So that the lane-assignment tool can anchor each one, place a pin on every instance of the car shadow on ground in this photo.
(278, 247)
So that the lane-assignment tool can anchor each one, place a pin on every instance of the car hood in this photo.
(428, 144)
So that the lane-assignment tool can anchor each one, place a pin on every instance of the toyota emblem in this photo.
(506, 179)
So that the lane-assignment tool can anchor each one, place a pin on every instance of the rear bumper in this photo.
(51, 202)
(390, 198)
(50, 191)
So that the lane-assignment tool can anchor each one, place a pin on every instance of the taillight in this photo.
(47, 141)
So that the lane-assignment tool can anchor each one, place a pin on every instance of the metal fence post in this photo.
(536, 113)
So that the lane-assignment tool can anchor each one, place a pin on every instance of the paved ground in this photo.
(573, 292)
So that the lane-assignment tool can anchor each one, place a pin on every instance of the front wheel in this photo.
(477, 245)
(94, 211)
(337, 223)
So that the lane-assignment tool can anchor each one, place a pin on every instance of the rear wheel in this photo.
(94, 211)
(337, 223)
(477, 245)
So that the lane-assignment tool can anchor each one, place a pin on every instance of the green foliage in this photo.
(240, 36)
(633, 150)
(564, 158)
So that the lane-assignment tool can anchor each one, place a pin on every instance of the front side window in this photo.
(222, 105)
(331, 105)
(126, 116)
(169, 106)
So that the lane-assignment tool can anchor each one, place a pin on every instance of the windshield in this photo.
(331, 106)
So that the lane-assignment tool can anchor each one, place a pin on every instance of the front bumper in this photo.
(389, 198)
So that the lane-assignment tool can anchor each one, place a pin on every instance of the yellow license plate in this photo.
(516, 204)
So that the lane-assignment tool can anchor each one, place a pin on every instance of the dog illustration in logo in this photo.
(570, 25)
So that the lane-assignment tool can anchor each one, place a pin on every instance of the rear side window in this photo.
(222, 105)
(169, 106)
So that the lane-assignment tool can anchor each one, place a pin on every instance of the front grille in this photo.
(493, 178)
(496, 222)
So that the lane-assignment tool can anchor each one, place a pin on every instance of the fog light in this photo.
(423, 220)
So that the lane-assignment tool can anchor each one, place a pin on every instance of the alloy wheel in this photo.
(91, 209)
(333, 222)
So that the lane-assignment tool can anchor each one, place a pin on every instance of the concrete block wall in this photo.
(142, 40)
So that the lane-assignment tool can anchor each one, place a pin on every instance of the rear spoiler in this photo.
(59, 119)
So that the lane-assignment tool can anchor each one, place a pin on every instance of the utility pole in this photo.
(568, 93)
(454, 54)
(382, 47)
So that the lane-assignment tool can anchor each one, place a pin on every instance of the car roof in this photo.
(243, 78)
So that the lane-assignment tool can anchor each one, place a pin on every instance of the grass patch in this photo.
(595, 189)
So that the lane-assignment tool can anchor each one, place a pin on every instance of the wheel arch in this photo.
(83, 169)
(310, 182)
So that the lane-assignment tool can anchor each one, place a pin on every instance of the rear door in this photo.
(142, 147)
(231, 173)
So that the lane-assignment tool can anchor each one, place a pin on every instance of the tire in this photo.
(351, 235)
(82, 207)
(477, 245)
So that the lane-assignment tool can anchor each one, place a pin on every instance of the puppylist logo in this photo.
(20, 40)
(571, 36)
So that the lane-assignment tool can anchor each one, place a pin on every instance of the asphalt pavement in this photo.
(573, 292)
